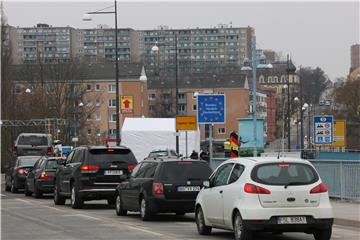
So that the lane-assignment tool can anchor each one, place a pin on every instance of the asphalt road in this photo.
(30, 218)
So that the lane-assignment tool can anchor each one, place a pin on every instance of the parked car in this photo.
(245, 195)
(31, 144)
(92, 173)
(162, 153)
(41, 178)
(160, 186)
(15, 175)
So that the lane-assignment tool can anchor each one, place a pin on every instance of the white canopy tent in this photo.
(142, 135)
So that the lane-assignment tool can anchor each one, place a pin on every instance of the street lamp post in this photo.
(290, 70)
(87, 18)
(296, 100)
(155, 48)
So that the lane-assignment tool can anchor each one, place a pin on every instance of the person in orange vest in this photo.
(227, 148)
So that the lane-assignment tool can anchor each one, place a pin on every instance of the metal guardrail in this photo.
(342, 177)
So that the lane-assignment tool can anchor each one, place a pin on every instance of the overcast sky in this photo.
(315, 34)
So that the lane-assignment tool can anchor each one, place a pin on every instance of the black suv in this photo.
(159, 186)
(92, 173)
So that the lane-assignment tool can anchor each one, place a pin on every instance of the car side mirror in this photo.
(206, 184)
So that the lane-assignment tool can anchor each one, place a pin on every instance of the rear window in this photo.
(53, 163)
(27, 161)
(112, 155)
(184, 171)
(284, 174)
(33, 140)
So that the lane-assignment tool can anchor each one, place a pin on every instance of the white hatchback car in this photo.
(265, 194)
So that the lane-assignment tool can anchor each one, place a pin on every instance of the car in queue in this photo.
(162, 153)
(246, 195)
(41, 178)
(15, 175)
(33, 144)
(92, 173)
(162, 186)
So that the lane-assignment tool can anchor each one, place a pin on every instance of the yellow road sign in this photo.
(339, 134)
(186, 123)
(126, 104)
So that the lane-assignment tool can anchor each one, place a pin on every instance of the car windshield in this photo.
(159, 154)
(53, 163)
(33, 140)
(102, 156)
(284, 174)
(27, 161)
(184, 171)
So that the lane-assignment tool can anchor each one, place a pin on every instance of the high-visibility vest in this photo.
(227, 147)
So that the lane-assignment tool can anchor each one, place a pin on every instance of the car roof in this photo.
(259, 160)
(22, 157)
(35, 134)
(103, 147)
(173, 160)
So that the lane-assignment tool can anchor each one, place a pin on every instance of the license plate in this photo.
(189, 189)
(292, 220)
(113, 172)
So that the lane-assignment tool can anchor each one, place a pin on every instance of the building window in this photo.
(88, 87)
(97, 87)
(112, 103)
(112, 131)
(111, 88)
(98, 102)
(112, 117)
(221, 130)
(98, 117)
(89, 131)
(181, 96)
(152, 96)
(98, 132)
(181, 108)
(151, 108)
(194, 107)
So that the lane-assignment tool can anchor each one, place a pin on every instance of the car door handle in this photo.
(221, 191)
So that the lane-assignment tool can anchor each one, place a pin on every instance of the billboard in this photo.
(246, 132)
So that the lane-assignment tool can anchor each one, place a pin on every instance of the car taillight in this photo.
(49, 151)
(251, 188)
(21, 171)
(158, 189)
(44, 175)
(89, 168)
(14, 150)
(321, 188)
(131, 167)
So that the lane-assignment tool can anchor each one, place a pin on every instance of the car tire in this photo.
(37, 192)
(145, 211)
(75, 199)
(58, 199)
(13, 187)
(27, 191)
(323, 234)
(200, 222)
(7, 187)
(240, 232)
(120, 211)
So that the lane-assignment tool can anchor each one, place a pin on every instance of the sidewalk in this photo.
(346, 213)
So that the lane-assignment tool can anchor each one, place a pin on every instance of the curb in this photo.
(347, 222)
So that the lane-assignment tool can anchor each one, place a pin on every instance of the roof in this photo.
(256, 160)
(31, 73)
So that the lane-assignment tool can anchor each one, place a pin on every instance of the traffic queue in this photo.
(243, 195)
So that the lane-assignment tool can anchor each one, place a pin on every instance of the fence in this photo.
(342, 177)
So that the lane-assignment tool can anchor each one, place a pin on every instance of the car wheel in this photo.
(145, 212)
(27, 191)
(76, 201)
(120, 211)
(7, 187)
(13, 188)
(58, 199)
(37, 192)
(323, 234)
(200, 223)
(240, 232)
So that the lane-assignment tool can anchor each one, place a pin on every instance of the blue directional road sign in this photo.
(211, 108)
(323, 129)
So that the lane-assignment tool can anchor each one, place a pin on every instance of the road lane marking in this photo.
(82, 215)
(145, 231)
(24, 201)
